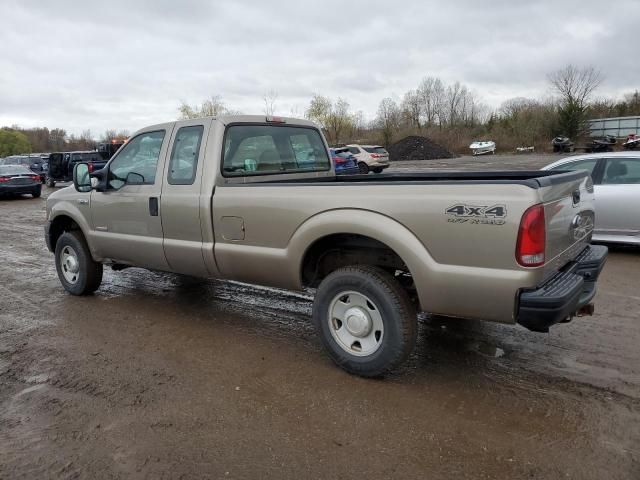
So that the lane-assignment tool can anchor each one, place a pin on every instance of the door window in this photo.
(137, 161)
(622, 171)
(184, 156)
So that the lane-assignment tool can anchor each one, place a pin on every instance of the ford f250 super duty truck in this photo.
(256, 199)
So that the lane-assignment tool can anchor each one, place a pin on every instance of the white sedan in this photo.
(616, 180)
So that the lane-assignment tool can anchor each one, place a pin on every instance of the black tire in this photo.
(50, 182)
(37, 192)
(378, 170)
(396, 310)
(363, 168)
(89, 275)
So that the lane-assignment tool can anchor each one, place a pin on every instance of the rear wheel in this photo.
(377, 170)
(37, 192)
(77, 271)
(365, 320)
(363, 168)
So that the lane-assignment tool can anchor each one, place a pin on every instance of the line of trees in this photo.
(16, 141)
(451, 114)
(454, 115)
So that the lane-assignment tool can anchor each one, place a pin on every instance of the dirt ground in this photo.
(158, 376)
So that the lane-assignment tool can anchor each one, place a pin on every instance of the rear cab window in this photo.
(271, 150)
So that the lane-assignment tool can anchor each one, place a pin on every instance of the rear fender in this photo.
(370, 224)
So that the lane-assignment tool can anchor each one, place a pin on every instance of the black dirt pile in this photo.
(418, 148)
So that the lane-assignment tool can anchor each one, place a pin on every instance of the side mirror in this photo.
(134, 178)
(81, 178)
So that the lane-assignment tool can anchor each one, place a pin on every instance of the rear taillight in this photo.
(90, 167)
(35, 178)
(339, 160)
(375, 155)
(532, 235)
(4, 179)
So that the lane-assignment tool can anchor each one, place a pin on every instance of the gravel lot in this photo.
(158, 376)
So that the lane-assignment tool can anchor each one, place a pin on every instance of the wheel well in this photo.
(342, 249)
(59, 226)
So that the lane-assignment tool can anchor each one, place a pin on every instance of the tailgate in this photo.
(568, 200)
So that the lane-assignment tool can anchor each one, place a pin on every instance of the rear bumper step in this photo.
(566, 294)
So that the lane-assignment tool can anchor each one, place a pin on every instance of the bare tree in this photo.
(576, 85)
(212, 107)
(269, 99)
(388, 119)
(333, 117)
(412, 108)
(431, 94)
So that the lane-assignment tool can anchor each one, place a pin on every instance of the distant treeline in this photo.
(453, 115)
(16, 140)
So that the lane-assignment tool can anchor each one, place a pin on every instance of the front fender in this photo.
(68, 209)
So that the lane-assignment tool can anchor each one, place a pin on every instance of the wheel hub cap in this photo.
(72, 264)
(355, 323)
(358, 322)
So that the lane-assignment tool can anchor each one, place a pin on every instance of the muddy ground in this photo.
(158, 376)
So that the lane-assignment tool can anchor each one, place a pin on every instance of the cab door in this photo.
(126, 217)
(182, 198)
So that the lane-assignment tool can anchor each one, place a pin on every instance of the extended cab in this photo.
(232, 197)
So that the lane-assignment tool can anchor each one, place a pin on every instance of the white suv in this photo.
(370, 157)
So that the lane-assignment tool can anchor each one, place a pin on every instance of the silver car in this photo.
(616, 179)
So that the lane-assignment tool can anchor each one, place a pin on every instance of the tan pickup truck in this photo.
(256, 199)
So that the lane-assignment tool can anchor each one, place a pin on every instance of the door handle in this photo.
(153, 206)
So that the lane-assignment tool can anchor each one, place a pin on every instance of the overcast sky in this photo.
(126, 64)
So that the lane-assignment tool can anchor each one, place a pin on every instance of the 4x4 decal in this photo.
(477, 214)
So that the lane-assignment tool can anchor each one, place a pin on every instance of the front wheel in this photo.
(365, 320)
(50, 182)
(77, 271)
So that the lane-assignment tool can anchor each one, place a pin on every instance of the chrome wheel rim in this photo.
(69, 264)
(355, 323)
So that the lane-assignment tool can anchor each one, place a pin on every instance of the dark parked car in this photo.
(61, 165)
(33, 162)
(18, 179)
(345, 162)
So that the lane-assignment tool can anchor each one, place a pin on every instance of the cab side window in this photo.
(137, 161)
(184, 156)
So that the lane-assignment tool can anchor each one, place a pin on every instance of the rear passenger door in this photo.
(182, 199)
(618, 197)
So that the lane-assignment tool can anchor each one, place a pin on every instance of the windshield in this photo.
(13, 170)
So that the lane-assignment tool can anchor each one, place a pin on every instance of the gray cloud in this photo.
(125, 64)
